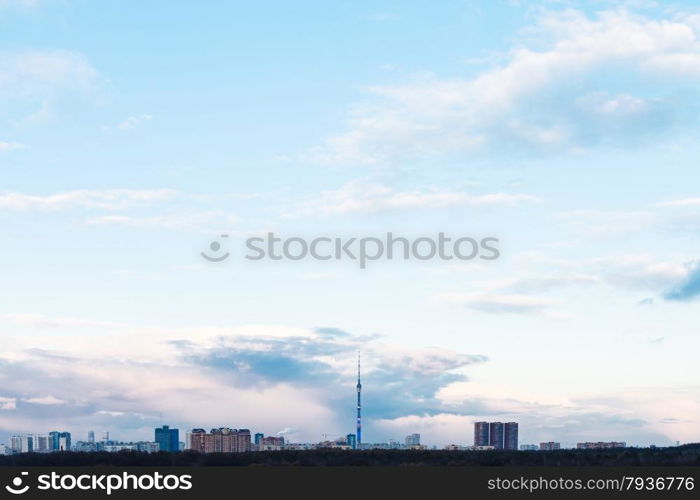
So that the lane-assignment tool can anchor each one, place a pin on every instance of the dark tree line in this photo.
(687, 455)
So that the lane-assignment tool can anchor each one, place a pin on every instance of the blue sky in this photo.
(132, 136)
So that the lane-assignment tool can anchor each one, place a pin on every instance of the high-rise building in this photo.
(481, 434)
(41, 443)
(22, 444)
(53, 440)
(413, 440)
(167, 439)
(59, 441)
(222, 440)
(105, 436)
(91, 436)
(258, 437)
(351, 440)
(64, 441)
(510, 436)
(496, 435)
(550, 446)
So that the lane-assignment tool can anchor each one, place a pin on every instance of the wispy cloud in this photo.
(134, 121)
(42, 321)
(499, 302)
(8, 403)
(363, 197)
(45, 400)
(109, 199)
(683, 202)
(10, 146)
(196, 220)
(528, 104)
(32, 82)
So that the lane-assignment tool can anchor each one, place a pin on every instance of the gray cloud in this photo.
(394, 384)
(689, 287)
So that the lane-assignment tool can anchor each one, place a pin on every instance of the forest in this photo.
(686, 455)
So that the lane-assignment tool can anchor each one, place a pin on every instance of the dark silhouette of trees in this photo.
(687, 455)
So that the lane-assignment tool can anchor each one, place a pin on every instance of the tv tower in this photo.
(359, 403)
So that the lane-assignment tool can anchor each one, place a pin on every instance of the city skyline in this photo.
(134, 140)
(486, 436)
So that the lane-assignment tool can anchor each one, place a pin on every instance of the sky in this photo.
(132, 136)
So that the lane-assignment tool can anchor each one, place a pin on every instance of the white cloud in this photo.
(33, 82)
(134, 121)
(8, 403)
(30, 72)
(42, 321)
(10, 146)
(684, 202)
(498, 302)
(109, 199)
(529, 101)
(364, 197)
(198, 220)
(45, 400)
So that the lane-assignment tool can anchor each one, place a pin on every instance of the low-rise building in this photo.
(601, 445)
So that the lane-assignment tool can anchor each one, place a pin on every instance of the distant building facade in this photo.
(168, 439)
(271, 443)
(601, 445)
(221, 440)
(496, 430)
(497, 435)
(22, 444)
(351, 439)
(528, 447)
(550, 446)
(412, 440)
(510, 436)
(481, 434)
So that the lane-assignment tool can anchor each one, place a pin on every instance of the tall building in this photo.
(41, 443)
(64, 441)
(168, 439)
(510, 436)
(53, 440)
(481, 434)
(59, 441)
(258, 438)
(359, 403)
(351, 440)
(91, 436)
(105, 436)
(221, 440)
(413, 440)
(22, 444)
(496, 435)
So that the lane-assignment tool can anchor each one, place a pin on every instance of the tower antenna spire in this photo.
(359, 403)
